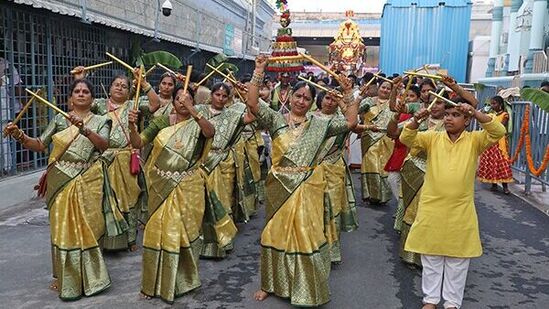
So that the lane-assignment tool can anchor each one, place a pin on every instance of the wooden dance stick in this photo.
(44, 101)
(440, 93)
(150, 70)
(124, 64)
(166, 68)
(209, 75)
(442, 98)
(285, 58)
(423, 75)
(24, 110)
(320, 65)
(232, 80)
(236, 86)
(91, 67)
(187, 78)
(339, 95)
(383, 78)
(137, 91)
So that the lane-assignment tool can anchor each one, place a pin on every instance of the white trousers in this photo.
(394, 182)
(443, 274)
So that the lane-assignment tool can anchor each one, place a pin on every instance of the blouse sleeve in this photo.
(270, 119)
(338, 126)
(157, 124)
(50, 130)
(365, 105)
(105, 130)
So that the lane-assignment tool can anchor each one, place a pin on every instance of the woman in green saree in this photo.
(80, 212)
(295, 255)
(376, 146)
(126, 187)
(177, 202)
(341, 202)
(221, 170)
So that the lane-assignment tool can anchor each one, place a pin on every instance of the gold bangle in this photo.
(198, 116)
(147, 89)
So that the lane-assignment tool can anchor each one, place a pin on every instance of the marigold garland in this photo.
(525, 136)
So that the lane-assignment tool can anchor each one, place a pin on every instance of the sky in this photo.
(362, 6)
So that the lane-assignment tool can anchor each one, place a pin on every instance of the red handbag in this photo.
(135, 162)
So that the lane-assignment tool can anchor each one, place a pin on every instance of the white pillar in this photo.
(497, 23)
(513, 45)
(539, 11)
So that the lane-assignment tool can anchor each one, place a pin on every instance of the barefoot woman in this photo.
(75, 186)
(295, 256)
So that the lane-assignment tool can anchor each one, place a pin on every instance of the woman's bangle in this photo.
(20, 136)
(146, 88)
(257, 78)
(348, 98)
(198, 117)
(85, 131)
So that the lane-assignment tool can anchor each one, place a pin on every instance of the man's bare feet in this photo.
(133, 248)
(429, 306)
(144, 297)
(260, 295)
(54, 285)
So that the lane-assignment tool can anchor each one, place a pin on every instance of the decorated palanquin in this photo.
(347, 51)
(284, 44)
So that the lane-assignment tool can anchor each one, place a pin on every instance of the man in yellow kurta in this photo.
(445, 231)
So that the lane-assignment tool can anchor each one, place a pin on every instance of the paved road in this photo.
(513, 272)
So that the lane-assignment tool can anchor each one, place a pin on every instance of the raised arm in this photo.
(257, 79)
(351, 113)
(206, 126)
(466, 95)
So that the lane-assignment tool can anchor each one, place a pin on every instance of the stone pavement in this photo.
(513, 272)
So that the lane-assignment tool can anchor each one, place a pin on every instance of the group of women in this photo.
(200, 174)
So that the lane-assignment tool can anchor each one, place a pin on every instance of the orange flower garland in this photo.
(523, 129)
(525, 135)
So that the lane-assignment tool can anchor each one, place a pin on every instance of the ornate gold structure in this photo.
(346, 53)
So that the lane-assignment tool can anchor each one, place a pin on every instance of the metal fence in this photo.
(539, 135)
(39, 48)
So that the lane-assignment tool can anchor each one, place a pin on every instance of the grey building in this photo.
(42, 40)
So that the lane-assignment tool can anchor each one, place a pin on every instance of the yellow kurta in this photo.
(446, 223)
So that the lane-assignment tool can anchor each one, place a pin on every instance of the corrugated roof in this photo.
(414, 35)
(66, 9)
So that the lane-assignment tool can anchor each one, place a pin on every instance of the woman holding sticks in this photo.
(220, 230)
(341, 203)
(177, 201)
(295, 255)
(80, 212)
(127, 186)
(376, 145)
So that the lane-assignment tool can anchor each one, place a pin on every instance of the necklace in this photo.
(214, 111)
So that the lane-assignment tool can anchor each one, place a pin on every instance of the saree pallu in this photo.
(248, 175)
(340, 203)
(412, 175)
(220, 187)
(127, 191)
(376, 151)
(219, 229)
(177, 201)
(81, 212)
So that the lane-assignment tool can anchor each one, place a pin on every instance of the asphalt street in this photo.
(512, 273)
